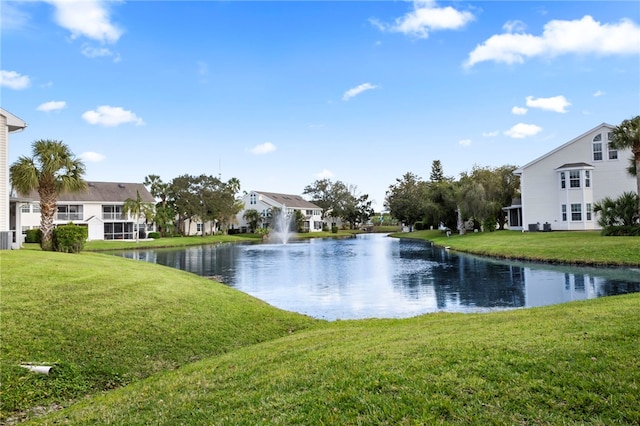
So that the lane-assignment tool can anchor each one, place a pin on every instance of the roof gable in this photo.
(561, 147)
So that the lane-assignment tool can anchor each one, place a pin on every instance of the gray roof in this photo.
(289, 200)
(575, 166)
(105, 192)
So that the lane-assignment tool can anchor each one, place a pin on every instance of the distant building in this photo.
(99, 208)
(9, 123)
(265, 202)
(558, 190)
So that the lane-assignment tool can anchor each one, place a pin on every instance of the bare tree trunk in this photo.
(47, 214)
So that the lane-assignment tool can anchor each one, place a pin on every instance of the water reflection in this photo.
(377, 276)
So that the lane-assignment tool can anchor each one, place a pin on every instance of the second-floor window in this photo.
(613, 153)
(574, 178)
(587, 179)
(597, 148)
(112, 212)
(68, 212)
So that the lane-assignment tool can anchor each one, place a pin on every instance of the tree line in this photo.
(186, 198)
(478, 197)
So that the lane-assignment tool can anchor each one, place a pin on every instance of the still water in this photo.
(375, 276)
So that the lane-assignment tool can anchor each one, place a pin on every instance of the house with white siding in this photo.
(265, 202)
(100, 208)
(558, 189)
(9, 123)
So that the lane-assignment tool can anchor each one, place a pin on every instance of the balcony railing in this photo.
(68, 216)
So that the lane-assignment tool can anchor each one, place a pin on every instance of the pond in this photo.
(376, 276)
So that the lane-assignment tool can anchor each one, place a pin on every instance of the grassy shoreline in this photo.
(570, 247)
(136, 343)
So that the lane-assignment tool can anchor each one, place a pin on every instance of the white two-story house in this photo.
(265, 202)
(9, 123)
(99, 208)
(558, 190)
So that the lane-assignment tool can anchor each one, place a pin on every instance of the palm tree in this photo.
(627, 135)
(252, 216)
(51, 170)
(137, 208)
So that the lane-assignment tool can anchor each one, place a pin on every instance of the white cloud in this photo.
(518, 110)
(357, 90)
(464, 142)
(263, 148)
(514, 26)
(521, 130)
(91, 157)
(109, 116)
(598, 93)
(14, 80)
(87, 18)
(555, 103)
(52, 106)
(324, 174)
(583, 36)
(99, 52)
(12, 18)
(490, 134)
(426, 16)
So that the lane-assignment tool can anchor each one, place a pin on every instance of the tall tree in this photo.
(437, 173)
(137, 209)
(51, 170)
(164, 212)
(404, 199)
(627, 135)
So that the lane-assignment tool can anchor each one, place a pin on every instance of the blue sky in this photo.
(279, 94)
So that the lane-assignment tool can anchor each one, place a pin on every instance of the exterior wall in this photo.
(4, 174)
(312, 215)
(190, 227)
(92, 217)
(542, 195)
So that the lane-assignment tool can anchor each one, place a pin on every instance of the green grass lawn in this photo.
(587, 247)
(105, 322)
(135, 343)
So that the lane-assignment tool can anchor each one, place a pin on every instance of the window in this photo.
(576, 212)
(564, 212)
(613, 153)
(309, 212)
(597, 148)
(69, 212)
(35, 208)
(25, 208)
(563, 180)
(587, 179)
(588, 211)
(574, 178)
(252, 199)
(112, 212)
(198, 227)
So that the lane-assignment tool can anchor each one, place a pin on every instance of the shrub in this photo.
(418, 226)
(33, 236)
(621, 231)
(489, 225)
(334, 229)
(623, 211)
(154, 235)
(325, 228)
(69, 238)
